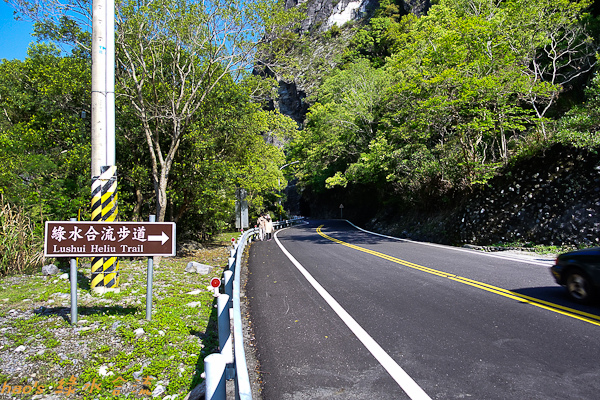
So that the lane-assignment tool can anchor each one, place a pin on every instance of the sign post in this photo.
(341, 211)
(149, 276)
(109, 239)
(73, 275)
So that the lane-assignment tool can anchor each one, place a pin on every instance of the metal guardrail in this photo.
(231, 363)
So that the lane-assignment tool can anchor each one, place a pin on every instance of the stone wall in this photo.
(552, 199)
(549, 199)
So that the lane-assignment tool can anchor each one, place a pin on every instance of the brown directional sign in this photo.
(101, 238)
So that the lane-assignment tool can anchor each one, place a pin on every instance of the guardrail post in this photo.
(225, 342)
(228, 278)
(214, 367)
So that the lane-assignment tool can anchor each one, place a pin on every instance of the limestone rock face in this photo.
(321, 15)
(417, 7)
(291, 101)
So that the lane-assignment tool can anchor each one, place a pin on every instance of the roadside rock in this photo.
(50, 269)
(196, 267)
(197, 393)
(189, 247)
(160, 389)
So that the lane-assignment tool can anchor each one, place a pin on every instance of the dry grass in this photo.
(20, 247)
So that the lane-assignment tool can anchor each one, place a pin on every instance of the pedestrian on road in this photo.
(262, 225)
(269, 227)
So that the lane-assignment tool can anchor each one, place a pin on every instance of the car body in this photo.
(579, 272)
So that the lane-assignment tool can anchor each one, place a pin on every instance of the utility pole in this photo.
(105, 270)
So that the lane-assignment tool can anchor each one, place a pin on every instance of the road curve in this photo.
(458, 323)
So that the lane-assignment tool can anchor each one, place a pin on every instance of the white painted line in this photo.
(544, 263)
(407, 384)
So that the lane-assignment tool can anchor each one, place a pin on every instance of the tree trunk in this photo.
(161, 195)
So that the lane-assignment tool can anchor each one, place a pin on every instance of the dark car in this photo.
(579, 272)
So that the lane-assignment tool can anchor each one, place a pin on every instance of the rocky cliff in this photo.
(321, 15)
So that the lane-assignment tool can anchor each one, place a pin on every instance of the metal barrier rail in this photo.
(222, 366)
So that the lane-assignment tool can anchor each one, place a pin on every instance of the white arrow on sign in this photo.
(156, 238)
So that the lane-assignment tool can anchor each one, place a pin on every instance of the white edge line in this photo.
(545, 264)
(407, 384)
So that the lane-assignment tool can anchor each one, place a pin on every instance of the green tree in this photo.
(228, 148)
(580, 126)
(341, 124)
(555, 43)
(463, 79)
(173, 54)
(44, 132)
(66, 23)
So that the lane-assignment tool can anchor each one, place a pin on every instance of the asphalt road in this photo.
(360, 316)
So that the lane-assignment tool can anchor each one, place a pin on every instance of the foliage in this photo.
(581, 125)
(44, 149)
(229, 147)
(342, 122)
(373, 43)
(173, 55)
(67, 23)
(467, 87)
(44, 135)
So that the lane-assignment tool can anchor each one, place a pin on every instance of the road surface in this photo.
(347, 314)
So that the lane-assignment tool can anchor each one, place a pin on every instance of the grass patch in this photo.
(535, 248)
(113, 351)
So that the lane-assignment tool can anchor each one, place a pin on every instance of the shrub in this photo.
(20, 248)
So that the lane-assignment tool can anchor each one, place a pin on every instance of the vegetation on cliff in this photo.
(421, 108)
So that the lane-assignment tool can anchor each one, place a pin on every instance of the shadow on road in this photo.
(558, 295)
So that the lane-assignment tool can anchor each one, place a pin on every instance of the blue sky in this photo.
(15, 36)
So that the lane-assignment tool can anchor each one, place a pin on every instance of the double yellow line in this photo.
(570, 312)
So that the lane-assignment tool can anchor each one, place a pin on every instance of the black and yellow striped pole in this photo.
(105, 270)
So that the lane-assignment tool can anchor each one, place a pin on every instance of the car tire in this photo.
(579, 286)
